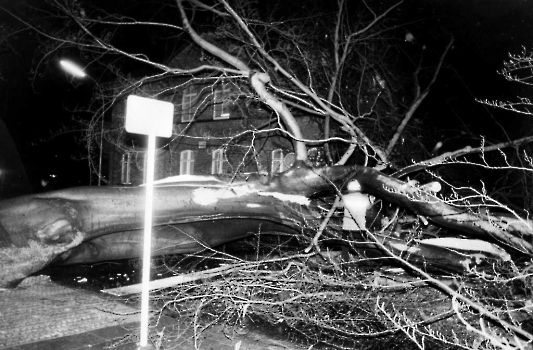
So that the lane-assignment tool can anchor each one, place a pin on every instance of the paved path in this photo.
(40, 310)
(43, 315)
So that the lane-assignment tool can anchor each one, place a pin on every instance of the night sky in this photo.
(36, 104)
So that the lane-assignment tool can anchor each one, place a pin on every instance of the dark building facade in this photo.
(220, 128)
(216, 132)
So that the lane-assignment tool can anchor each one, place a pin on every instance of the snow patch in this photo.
(353, 186)
(253, 205)
(187, 178)
(208, 196)
(355, 206)
(468, 245)
(433, 187)
(302, 200)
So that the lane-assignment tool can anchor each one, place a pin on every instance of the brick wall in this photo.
(203, 136)
(137, 166)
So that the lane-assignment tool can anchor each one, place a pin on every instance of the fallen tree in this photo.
(91, 224)
(465, 244)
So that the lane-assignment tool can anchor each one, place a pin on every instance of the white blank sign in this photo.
(147, 116)
(150, 117)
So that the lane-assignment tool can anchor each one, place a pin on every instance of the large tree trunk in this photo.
(98, 223)
(36, 229)
(169, 239)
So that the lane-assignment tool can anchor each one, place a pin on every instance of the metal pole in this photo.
(150, 161)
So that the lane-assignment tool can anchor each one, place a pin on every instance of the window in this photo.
(217, 163)
(186, 162)
(187, 103)
(277, 161)
(220, 102)
(125, 172)
(140, 161)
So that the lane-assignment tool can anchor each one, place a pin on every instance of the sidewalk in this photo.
(43, 315)
(58, 317)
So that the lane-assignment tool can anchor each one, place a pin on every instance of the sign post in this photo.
(153, 118)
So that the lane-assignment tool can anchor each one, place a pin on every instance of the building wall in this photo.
(137, 165)
(243, 150)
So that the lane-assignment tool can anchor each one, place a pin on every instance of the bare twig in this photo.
(416, 103)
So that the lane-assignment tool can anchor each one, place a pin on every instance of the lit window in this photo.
(186, 162)
(220, 101)
(187, 103)
(277, 161)
(217, 163)
(126, 169)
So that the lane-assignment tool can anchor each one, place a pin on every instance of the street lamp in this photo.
(72, 68)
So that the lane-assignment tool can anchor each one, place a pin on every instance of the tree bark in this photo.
(38, 229)
(513, 233)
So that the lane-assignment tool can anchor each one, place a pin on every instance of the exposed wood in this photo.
(98, 223)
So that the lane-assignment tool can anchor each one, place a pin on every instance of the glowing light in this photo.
(72, 68)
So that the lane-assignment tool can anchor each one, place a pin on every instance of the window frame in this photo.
(187, 102)
(125, 169)
(220, 103)
(217, 162)
(187, 162)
